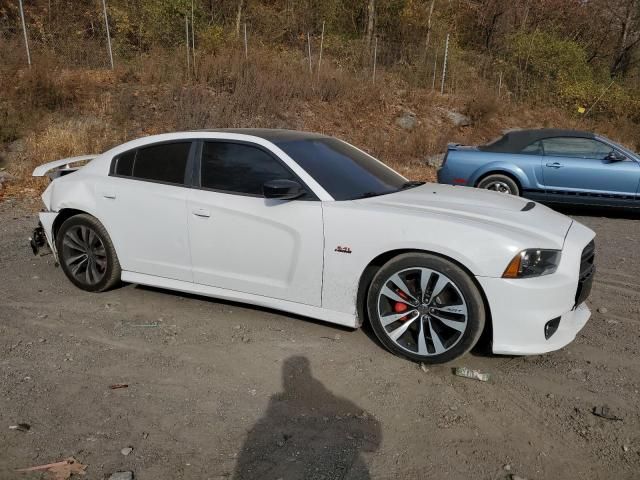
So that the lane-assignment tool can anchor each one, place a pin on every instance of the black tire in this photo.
(500, 183)
(105, 265)
(460, 285)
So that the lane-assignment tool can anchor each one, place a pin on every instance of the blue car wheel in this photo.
(500, 183)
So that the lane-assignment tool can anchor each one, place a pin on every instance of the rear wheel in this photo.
(86, 254)
(425, 308)
(500, 183)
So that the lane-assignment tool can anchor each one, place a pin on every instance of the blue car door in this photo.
(582, 165)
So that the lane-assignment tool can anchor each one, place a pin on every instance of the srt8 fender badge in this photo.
(340, 249)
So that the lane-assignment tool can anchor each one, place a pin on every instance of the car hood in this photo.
(497, 210)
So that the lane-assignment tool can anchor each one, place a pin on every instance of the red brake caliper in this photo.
(400, 307)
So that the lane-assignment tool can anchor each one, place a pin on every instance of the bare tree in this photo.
(628, 38)
(426, 43)
(239, 17)
(371, 18)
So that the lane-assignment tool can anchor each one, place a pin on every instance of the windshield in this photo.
(629, 153)
(343, 171)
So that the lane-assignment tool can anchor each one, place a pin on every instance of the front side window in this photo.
(239, 168)
(343, 171)
(574, 147)
(165, 162)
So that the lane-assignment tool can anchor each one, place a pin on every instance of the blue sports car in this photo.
(549, 165)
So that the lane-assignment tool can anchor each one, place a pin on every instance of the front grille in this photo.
(587, 272)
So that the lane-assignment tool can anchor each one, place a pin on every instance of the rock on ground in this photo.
(121, 476)
(407, 120)
(457, 118)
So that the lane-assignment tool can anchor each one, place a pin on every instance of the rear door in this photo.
(143, 204)
(242, 241)
(580, 165)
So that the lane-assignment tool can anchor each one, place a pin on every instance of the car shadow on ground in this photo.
(481, 349)
(248, 306)
(596, 211)
(308, 432)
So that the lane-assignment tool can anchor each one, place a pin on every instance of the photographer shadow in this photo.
(308, 433)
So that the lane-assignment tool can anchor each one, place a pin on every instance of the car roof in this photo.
(514, 141)
(274, 135)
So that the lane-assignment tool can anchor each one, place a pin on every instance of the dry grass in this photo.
(60, 113)
(60, 140)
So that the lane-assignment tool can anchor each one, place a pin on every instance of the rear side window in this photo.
(124, 164)
(533, 149)
(239, 168)
(164, 163)
(575, 147)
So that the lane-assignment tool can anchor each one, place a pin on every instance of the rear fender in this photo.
(502, 167)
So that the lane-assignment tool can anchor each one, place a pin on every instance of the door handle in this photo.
(201, 212)
(110, 196)
(555, 165)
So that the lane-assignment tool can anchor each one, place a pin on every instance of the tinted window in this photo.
(342, 170)
(162, 163)
(534, 149)
(124, 164)
(575, 147)
(238, 168)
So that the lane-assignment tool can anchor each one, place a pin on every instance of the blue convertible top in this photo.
(515, 141)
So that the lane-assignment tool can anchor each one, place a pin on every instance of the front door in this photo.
(580, 165)
(244, 242)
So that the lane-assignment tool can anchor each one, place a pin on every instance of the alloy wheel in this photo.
(422, 311)
(498, 186)
(84, 254)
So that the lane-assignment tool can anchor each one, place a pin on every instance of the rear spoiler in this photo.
(61, 167)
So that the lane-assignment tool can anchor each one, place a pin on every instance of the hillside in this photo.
(511, 73)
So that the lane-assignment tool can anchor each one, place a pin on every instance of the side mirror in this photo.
(282, 189)
(615, 156)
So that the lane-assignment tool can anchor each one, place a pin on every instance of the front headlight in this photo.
(533, 263)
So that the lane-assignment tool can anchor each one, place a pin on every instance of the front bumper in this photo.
(520, 308)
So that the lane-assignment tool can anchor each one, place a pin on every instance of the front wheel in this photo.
(86, 254)
(425, 308)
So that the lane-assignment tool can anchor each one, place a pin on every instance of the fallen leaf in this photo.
(115, 386)
(59, 470)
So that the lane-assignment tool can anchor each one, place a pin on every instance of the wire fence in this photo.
(429, 63)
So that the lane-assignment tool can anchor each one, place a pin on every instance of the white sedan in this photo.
(311, 225)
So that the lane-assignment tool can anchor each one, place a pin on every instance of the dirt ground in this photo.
(218, 390)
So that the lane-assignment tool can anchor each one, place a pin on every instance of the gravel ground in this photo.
(218, 390)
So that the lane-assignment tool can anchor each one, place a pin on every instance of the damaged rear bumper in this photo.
(37, 239)
(42, 235)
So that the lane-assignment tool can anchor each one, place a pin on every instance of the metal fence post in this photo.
(24, 31)
(246, 46)
(375, 58)
(444, 65)
(106, 23)
(309, 52)
(186, 31)
(321, 45)
(435, 69)
(193, 39)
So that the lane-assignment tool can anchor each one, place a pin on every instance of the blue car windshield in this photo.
(617, 146)
(345, 172)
